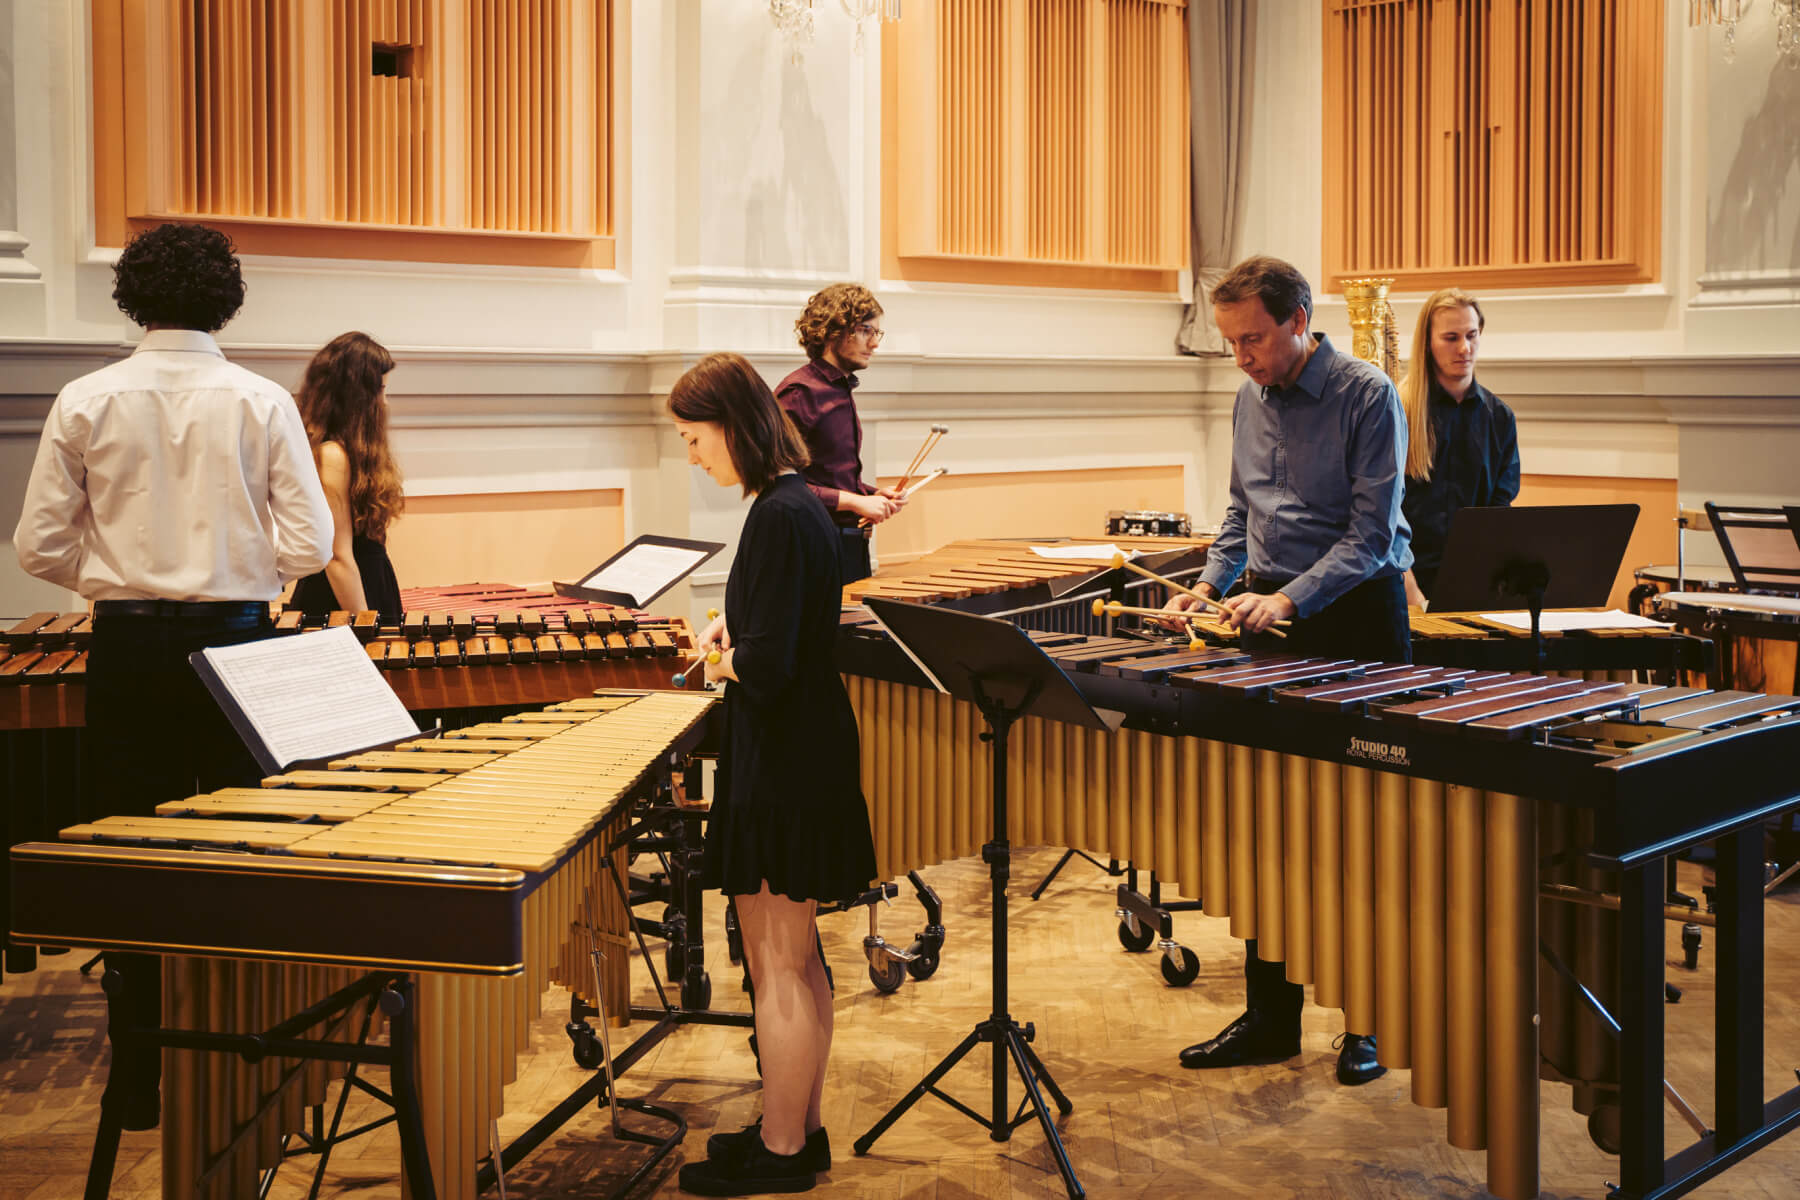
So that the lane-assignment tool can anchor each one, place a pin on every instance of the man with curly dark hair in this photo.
(176, 491)
(840, 329)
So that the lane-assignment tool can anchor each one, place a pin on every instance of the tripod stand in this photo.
(999, 669)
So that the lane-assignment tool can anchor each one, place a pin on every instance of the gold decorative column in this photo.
(1374, 335)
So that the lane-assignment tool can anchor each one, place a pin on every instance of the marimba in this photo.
(478, 866)
(460, 654)
(1386, 831)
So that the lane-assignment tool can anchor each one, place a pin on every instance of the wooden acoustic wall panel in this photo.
(1492, 141)
(1037, 141)
(440, 130)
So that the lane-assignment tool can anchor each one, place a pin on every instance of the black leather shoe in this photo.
(734, 1147)
(1356, 1060)
(759, 1172)
(1249, 1039)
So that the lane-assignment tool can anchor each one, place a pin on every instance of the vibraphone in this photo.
(469, 872)
(1386, 831)
(458, 654)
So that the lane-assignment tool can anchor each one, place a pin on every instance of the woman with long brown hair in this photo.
(788, 828)
(343, 402)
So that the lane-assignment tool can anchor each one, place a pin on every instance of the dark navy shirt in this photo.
(1474, 462)
(818, 398)
(1317, 472)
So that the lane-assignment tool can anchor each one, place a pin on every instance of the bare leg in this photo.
(778, 937)
(821, 994)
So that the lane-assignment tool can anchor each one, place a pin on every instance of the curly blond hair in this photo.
(833, 312)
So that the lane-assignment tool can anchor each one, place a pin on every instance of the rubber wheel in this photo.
(887, 974)
(1180, 966)
(1133, 936)
(923, 967)
(696, 997)
(1603, 1127)
(585, 1045)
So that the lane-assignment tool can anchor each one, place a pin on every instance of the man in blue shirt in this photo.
(1318, 447)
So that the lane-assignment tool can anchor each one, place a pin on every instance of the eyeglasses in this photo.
(873, 333)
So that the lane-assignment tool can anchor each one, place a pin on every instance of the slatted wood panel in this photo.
(1492, 141)
(280, 120)
(1043, 132)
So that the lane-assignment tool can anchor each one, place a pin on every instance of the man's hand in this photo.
(1255, 614)
(873, 509)
(894, 494)
(1181, 602)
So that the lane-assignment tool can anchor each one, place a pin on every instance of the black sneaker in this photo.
(760, 1172)
(732, 1147)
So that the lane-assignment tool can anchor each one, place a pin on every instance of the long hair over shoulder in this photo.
(1415, 385)
(339, 401)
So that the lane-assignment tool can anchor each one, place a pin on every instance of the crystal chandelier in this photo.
(794, 20)
(1729, 12)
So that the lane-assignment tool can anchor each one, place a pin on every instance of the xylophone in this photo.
(477, 866)
(1386, 830)
(458, 654)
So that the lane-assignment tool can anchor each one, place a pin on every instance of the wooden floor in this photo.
(1108, 1028)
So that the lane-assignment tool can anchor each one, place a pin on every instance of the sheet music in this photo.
(1097, 551)
(312, 695)
(1563, 622)
(644, 570)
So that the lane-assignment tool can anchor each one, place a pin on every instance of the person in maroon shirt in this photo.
(840, 328)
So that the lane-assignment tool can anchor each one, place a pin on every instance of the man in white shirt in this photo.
(177, 492)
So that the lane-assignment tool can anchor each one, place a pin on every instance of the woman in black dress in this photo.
(343, 401)
(789, 828)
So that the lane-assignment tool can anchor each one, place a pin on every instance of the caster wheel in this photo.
(924, 966)
(1603, 1127)
(1133, 936)
(585, 1045)
(696, 994)
(887, 974)
(1180, 966)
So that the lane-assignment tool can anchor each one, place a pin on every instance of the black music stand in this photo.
(997, 667)
(1536, 557)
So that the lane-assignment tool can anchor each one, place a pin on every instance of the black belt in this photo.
(223, 609)
(855, 532)
(1263, 585)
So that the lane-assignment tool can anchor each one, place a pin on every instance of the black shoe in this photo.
(1356, 1060)
(732, 1147)
(1249, 1039)
(760, 1172)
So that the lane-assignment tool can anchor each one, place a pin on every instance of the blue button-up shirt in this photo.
(1317, 477)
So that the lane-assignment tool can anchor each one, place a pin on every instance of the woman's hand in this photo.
(717, 672)
(715, 636)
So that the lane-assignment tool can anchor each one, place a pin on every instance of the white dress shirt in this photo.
(174, 475)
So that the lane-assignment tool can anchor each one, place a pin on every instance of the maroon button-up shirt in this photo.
(818, 398)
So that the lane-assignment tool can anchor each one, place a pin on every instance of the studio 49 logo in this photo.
(1386, 753)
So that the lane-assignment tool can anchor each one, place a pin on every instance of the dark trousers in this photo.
(1369, 621)
(853, 556)
(155, 734)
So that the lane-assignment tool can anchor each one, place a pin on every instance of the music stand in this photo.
(1793, 518)
(1536, 557)
(997, 667)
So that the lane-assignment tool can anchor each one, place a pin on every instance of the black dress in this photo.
(788, 807)
(314, 597)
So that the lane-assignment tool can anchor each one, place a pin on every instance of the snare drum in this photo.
(1657, 578)
(1758, 637)
(1147, 524)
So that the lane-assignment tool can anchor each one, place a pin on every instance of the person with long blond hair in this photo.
(343, 402)
(1463, 441)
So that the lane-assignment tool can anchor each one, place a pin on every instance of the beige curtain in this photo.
(1219, 47)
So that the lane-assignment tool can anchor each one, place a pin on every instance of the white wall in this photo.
(748, 181)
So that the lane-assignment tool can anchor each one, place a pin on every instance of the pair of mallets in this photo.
(679, 679)
(1112, 608)
(932, 438)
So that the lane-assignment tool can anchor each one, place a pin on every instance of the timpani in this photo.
(1758, 637)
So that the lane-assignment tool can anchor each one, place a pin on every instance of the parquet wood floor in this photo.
(1108, 1028)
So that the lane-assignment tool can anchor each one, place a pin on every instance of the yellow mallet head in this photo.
(1118, 560)
(1099, 607)
(1195, 646)
(712, 614)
